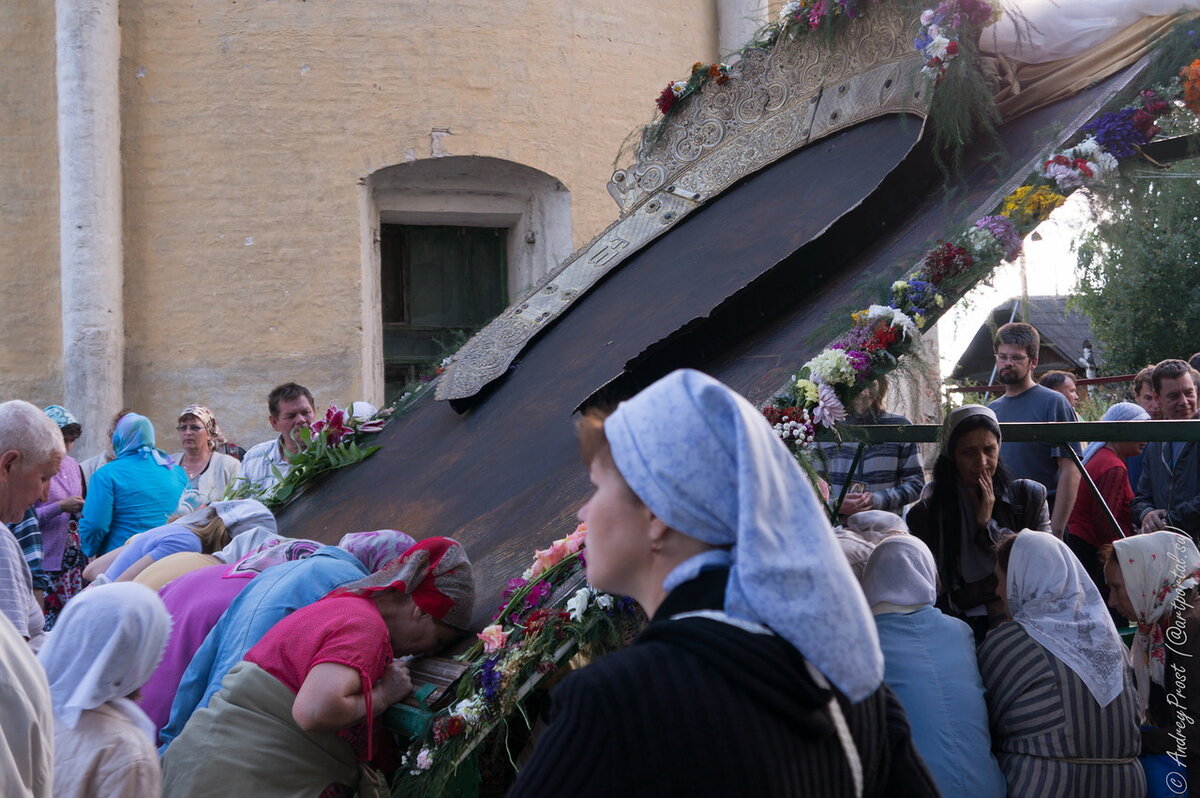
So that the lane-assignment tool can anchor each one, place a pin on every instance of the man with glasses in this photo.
(1017, 346)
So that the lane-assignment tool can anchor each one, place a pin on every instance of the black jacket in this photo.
(1176, 490)
(697, 707)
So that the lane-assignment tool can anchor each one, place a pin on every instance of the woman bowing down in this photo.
(296, 716)
(702, 516)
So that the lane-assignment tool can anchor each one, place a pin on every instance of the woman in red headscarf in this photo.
(304, 698)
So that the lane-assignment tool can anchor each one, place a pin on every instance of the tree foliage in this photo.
(1139, 269)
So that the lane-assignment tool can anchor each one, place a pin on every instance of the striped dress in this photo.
(1051, 736)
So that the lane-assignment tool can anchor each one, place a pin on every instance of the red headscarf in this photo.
(435, 572)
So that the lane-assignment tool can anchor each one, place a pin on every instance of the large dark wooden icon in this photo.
(747, 288)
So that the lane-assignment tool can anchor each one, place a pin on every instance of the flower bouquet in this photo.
(534, 633)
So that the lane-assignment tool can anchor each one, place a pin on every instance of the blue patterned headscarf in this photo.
(134, 436)
(60, 416)
(707, 463)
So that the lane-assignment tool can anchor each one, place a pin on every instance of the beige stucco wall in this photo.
(31, 353)
(246, 130)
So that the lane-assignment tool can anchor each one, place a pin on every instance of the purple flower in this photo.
(537, 594)
(854, 338)
(1005, 233)
(860, 361)
(514, 584)
(1117, 132)
(489, 678)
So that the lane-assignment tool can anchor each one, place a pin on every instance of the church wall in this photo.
(247, 128)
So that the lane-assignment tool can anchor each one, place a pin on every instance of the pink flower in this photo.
(335, 423)
(494, 637)
(576, 540)
(829, 409)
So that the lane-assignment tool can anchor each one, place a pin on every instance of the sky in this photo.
(1049, 270)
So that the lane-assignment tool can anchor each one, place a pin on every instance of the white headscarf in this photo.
(707, 463)
(240, 515)
(106, 644)
(1156, 568)
(875, 525)
(900, 572)
(1121, 411)
(1057, 603)
(247, 542)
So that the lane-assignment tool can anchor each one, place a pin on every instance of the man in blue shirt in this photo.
(1017, 346)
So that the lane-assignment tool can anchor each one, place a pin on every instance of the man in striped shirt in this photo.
(888, 475)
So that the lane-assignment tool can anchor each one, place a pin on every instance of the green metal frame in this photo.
(1029, 432)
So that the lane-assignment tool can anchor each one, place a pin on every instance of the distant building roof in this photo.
(1063, 333)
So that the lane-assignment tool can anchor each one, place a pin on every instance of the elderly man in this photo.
(31, 449)
(1168, 491)
(289, 408)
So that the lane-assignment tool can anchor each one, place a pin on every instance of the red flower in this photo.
(883, 337)
(1154, 104)
(945, 261)
(952, 49)
(1143, 122)
(775, 415)
(1082, 165)
(665, 100)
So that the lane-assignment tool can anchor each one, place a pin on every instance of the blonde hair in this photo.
(213, 533)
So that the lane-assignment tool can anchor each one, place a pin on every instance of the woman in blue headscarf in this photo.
(138, 490)
(760, 672)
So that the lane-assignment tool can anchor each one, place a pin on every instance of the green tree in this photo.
(1139, 269)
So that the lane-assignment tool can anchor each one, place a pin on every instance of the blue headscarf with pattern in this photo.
(708, 464)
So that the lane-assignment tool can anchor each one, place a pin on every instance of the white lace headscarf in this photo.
(707, 463)
(106, 644)
(1057, 603)
(1156, 568)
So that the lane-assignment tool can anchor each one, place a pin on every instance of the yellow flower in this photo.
(1028, 205)
(919, 320)
(859, 316)
(809, 390)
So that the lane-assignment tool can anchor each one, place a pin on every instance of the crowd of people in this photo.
(951, 637)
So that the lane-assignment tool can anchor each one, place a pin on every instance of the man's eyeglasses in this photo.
(1011, 358)
(189, 428)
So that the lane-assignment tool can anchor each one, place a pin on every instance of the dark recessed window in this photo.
(439, 285)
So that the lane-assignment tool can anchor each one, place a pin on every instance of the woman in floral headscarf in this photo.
(208, 470)
(305, 697)
(139, 490)
(1152, 581)
(62, 556)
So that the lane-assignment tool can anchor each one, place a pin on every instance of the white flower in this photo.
(926, 16)
(528, 574)
(677, 88)
(577, 605)
(900, 285)
(789, 10)
(604, 601)
(1066, 176)
(1103, 163)
(424, 759)
(895, 317)
(470, 710)
(937, 47)
(981, 242)
(831, 366)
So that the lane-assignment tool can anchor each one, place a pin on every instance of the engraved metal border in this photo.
(776, 101)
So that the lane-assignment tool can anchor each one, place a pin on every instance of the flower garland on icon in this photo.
(533, 634)
(818, 395)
